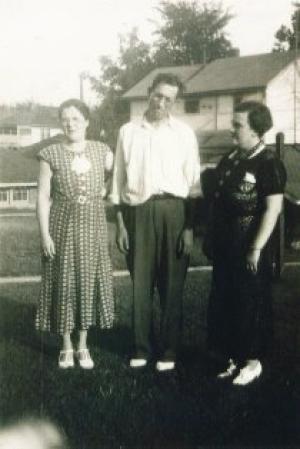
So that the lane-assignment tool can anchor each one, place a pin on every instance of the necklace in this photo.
(246, 154)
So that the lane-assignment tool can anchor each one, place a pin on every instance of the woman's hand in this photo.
(186, 242)
(48, 247)
(252, 259)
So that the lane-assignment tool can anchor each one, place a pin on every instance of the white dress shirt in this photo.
(154, 160)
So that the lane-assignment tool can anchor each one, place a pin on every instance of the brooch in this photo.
(80, 165)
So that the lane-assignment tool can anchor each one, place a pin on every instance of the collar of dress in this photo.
(261, 147)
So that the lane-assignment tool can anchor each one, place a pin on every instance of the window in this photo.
(4, 194)
(8, 130)
(20, 194)
(25, 131)
(191, 106)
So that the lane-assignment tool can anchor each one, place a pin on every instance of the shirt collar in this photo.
(171, 122)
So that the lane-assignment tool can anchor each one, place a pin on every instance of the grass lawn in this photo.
(111, 406)
(20, 247)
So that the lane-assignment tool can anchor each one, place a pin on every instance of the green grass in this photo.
(20, 247)
(111, 406)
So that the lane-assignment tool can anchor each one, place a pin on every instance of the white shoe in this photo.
(229, 370)
(248, 374)
(137, 363)
(84, 359)
(165, 366)
(66, 359)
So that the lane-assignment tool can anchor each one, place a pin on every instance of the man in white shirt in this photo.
(156, 177)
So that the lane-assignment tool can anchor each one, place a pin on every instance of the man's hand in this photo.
(122, 239)
(186, 242)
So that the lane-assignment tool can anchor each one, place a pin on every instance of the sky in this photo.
(46, 44)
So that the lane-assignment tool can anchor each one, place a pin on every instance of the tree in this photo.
(192, 33)
(286, 36)
(189, 33)
(117, 76)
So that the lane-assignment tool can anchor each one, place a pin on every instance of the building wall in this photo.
(8, 140)
(284, 104)
(27, 135)
(214, 112)
(18, 196)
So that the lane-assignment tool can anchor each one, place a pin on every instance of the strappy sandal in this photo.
(84, 359)
(229, 371)
(66, 359)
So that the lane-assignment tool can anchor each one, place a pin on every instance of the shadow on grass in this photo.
(112, 406)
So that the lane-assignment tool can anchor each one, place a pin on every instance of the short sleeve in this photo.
(45, 155)
(272, 177)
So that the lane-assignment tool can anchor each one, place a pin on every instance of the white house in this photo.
(26, 127)
(212, 91)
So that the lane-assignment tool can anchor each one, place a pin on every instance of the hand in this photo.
(48, 247)
(122, 239)
(186, 242)
(252, 259)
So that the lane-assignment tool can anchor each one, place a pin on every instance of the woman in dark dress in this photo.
(247, 201)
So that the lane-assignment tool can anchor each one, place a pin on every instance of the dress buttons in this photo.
(221, 182)
(217, 194)
(236, 162)
(228, 173)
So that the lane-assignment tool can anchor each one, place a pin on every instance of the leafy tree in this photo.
(286, 36)
(189, 33)
(117, 76)
(192, 33)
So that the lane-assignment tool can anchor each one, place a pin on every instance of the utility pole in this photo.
(82, 77)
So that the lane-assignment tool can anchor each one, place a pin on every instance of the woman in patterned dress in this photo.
(247, 202)
(76, 290)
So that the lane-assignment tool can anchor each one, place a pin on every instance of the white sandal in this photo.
(84, 359)
(248, 374)
(66, 359)
(231, 367)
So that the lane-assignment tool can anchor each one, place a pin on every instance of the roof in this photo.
(36, 116)
(184, 72)
(238, 73)
(225, 74)
(18, 166)
(213, 145)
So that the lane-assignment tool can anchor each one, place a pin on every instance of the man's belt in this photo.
(165, 196)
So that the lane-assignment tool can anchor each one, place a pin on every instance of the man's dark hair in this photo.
(259, 116)
(78, 104)
(167, 78)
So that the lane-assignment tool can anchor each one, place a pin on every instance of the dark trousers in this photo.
(154, 259)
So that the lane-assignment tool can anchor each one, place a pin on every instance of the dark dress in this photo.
(240, 307)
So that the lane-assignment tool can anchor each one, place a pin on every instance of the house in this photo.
(18, 179)
(212, 91)
(26, 126)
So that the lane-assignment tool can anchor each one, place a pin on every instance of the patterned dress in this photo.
(240, 308)
(77, 288)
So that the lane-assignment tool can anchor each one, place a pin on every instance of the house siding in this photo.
(21, 139)
(280, 96)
